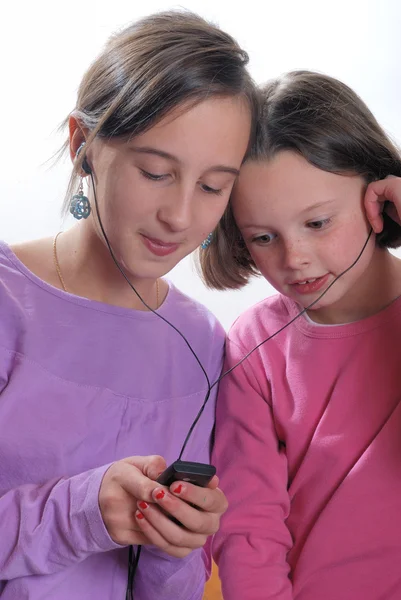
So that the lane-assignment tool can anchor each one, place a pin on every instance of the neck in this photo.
(377, 287)
(88, 270)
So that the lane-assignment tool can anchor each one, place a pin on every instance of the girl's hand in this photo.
(198, 511)
(377, 193)
(125, 484)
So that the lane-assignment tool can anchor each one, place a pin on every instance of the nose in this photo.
(177, 209)
(295, 254)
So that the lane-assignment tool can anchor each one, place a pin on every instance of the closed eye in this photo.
(210, 190)
(153, 176)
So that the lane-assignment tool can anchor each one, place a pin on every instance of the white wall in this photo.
(45, 46)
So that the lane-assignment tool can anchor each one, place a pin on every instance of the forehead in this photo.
(287, 182)
(214, 125)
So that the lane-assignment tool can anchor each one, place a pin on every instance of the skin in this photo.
(313, 225)
(171, 185)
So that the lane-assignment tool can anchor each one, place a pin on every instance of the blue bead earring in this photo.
(207, 241)
(80, 207)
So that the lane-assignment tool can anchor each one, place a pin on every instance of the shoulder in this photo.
(193, 315)
(37, 258)
(260, 321)
(12, 313)
(22, 269)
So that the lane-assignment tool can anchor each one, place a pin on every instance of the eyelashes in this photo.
(264, 239)
(267, 238)
(318, 224)
(154, 177)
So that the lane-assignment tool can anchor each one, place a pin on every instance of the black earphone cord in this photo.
(210, 386)
(134, 563)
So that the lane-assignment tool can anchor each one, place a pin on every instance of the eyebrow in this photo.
(317, 205)
(168, 156)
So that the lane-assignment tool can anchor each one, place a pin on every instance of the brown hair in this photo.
(153, 66)
(327, 123)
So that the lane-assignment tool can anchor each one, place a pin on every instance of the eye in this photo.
(152, 176)
(264, 239)
(210, 190)
(318, 224)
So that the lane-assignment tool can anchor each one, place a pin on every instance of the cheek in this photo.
(266, 261)
(367, 254)
(209, 214)
(132, 199)
(351, 241)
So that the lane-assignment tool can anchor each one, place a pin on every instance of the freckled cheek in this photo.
(267, 264)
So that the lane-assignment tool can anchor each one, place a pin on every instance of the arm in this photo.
(251, 546)
(45, 528)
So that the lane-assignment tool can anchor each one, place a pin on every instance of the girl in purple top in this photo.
(97, 392)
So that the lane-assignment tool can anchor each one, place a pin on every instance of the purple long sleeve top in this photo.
(83, 384)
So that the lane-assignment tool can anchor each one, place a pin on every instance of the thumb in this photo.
(377, 193)
(374, 202)
(151, 466)
(213, 483)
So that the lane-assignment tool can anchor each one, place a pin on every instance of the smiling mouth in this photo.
(160, 242)
(306, 281)
(159, 247)
(308, 286)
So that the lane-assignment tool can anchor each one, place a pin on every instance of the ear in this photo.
(78, 135)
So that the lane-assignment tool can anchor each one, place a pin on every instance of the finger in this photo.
(391, 211)
(207, 499)
(134, 482)
(131, 537)
(151, 466)
(374, 202)
(192, 518)
(213, 483)
(379, 192)
(160, 531)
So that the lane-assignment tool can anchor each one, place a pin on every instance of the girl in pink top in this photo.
(308, 437)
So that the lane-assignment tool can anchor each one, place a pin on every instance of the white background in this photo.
(45, 47)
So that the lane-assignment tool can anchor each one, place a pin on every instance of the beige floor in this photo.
(212, 589)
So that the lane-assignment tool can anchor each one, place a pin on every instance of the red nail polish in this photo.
(160, 495)
(143, 505)
(139, 515)
(178, 489)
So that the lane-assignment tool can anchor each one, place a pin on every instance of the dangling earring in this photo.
(80, 206)
(207, 241)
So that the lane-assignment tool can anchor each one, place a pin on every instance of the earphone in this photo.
(133, 560)
(85, 165)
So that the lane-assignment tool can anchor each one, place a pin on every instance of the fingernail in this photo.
(139, 515)
(178, 489)
(143, 505)
(160, 495)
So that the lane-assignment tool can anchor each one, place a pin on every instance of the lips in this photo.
(309, 286)
(159, 247)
